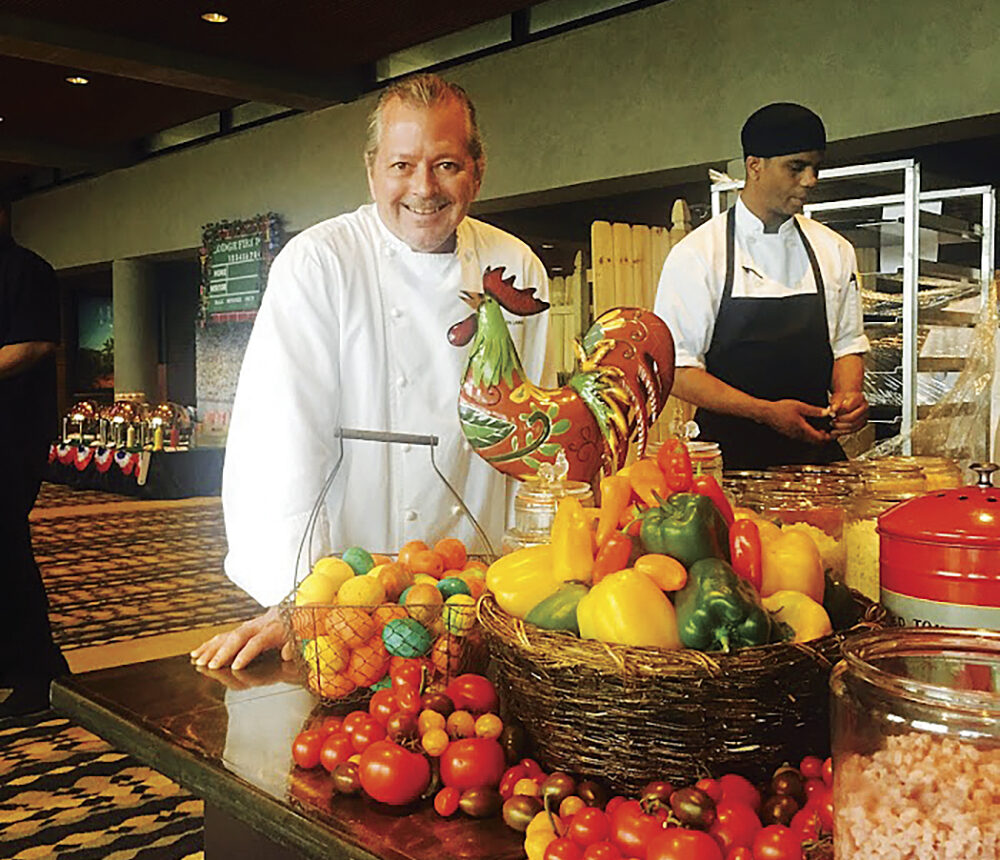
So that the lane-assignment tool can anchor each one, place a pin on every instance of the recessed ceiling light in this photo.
(215, 18)
(79, 80)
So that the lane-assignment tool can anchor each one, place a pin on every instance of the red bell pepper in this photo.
(706, 485)
(612, 556)
(675, 463)
(744, 550)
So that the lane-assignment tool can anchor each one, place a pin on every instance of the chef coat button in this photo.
(401, 382)
(407, 449)
(411, 515)
(456, 510)
(395, 313)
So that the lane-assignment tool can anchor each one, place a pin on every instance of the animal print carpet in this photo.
(66, 794)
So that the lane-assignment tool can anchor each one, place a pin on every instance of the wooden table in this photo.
(226, 737)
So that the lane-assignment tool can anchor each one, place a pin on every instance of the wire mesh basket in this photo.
(349, 641)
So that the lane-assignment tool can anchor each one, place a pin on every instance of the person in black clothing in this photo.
(29, 332)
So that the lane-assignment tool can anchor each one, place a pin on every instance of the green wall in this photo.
(661, 88)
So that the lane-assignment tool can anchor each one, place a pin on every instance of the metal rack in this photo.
(919, 283)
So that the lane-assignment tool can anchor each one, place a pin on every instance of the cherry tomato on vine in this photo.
(811, 767)
(563, 848)
(602, 851)
(828, 771)
(632, 828)
(711, 787)
(806, 825)
(330, 725)
(740, 853)
(446, 801)
(680, 844)
(408, 674)
(735, 824)
(366, 733)
(473, 693)
(306, 747)
(738, 789)
(383, 705)
(353, 719)
(336, 749)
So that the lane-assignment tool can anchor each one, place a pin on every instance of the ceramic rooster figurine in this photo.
(626, 369)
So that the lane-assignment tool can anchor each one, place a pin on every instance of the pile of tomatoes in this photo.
(411, 743)
(728, 818)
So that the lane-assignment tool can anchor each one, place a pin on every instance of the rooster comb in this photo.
(522, 302)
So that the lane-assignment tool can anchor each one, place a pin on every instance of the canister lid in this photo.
(967, 516)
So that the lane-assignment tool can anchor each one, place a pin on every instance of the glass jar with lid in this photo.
(536, 501)
(861, 540)
(916, 744)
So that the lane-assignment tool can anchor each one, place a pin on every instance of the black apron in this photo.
(774, 349)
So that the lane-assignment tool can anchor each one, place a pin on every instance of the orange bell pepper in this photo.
(572, 551)
(668, 573)
(612, 556)
(648, 482)
(616, 492)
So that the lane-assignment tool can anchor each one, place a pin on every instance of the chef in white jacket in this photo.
(351, 333)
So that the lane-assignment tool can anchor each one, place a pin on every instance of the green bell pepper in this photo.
(558, 611)
(718, 611)
(686, 526)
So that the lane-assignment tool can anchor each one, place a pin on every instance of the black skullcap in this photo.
(781, 129)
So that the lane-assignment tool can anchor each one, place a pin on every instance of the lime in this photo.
(359, 559)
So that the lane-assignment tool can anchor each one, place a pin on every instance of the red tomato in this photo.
(330, 725)
(776, 842)
(811, 787)
(336, 748)
(805, 824)
(563, 848)
(408, 699)
(532, 767)
(306, 747)
(711, 787)
(393, 775)
(408, 674)
(811, 767)
(588, 826)
(353, 719)
(680, 844)
(735, 824)
(602, 851)
(738, 789)
(473, 693)
(366, 733)
(632, 829)
(446, 801)
(740, 853)
(383, 705)
(822, 801)
(613, 804)
(472, 763)
(828, 771)
(510, 779)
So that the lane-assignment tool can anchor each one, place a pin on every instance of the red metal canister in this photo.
(940, 557)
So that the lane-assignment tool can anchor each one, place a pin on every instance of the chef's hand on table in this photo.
(789, 417)
(850, 412)
(251, 639)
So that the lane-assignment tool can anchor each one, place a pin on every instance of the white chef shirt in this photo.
(766, 265)
(352, 332)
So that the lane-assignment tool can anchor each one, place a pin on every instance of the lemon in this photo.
(315, 588)
(335, 569)
(327, 655)
(460, 614)
(364, 591)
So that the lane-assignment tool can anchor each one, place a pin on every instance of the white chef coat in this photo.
(766, 264)
(352, 332)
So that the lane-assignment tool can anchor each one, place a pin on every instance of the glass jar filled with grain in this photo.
(916, 745)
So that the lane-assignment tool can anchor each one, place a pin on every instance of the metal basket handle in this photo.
(389, 438)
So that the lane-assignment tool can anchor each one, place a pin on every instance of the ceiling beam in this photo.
(34, 152)
(104, 53)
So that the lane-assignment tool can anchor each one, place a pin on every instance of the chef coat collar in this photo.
(749, 224)
(392, 242)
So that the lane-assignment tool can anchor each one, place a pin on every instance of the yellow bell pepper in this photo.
(523, 579)
(572, 547)
(542, 829)
(807, 618)
(628, 608)
(791, 561)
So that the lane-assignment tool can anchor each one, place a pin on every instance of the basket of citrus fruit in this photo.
(357, 617)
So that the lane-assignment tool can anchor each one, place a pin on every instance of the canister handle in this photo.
(985, 472)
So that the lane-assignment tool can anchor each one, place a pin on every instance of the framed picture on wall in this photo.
(95, 350)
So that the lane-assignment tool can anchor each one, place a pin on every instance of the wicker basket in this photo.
(627, 715)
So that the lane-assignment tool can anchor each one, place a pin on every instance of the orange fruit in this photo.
(378, 558)
(386, 612)
(446, 655)
(394, 577)
(475, 564)
(424, 602)
(427, 561)
(368, 662)
(350, 625)
(452, 550)
(330, 686)
(477, 584)
(408, 549)
(308, 622)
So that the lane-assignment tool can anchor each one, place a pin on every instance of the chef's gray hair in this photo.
(424, 90)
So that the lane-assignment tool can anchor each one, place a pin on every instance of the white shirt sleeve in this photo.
(284, 417)
(848, 331)
(687, 300)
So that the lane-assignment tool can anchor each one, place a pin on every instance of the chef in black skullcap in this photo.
(765, 310)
